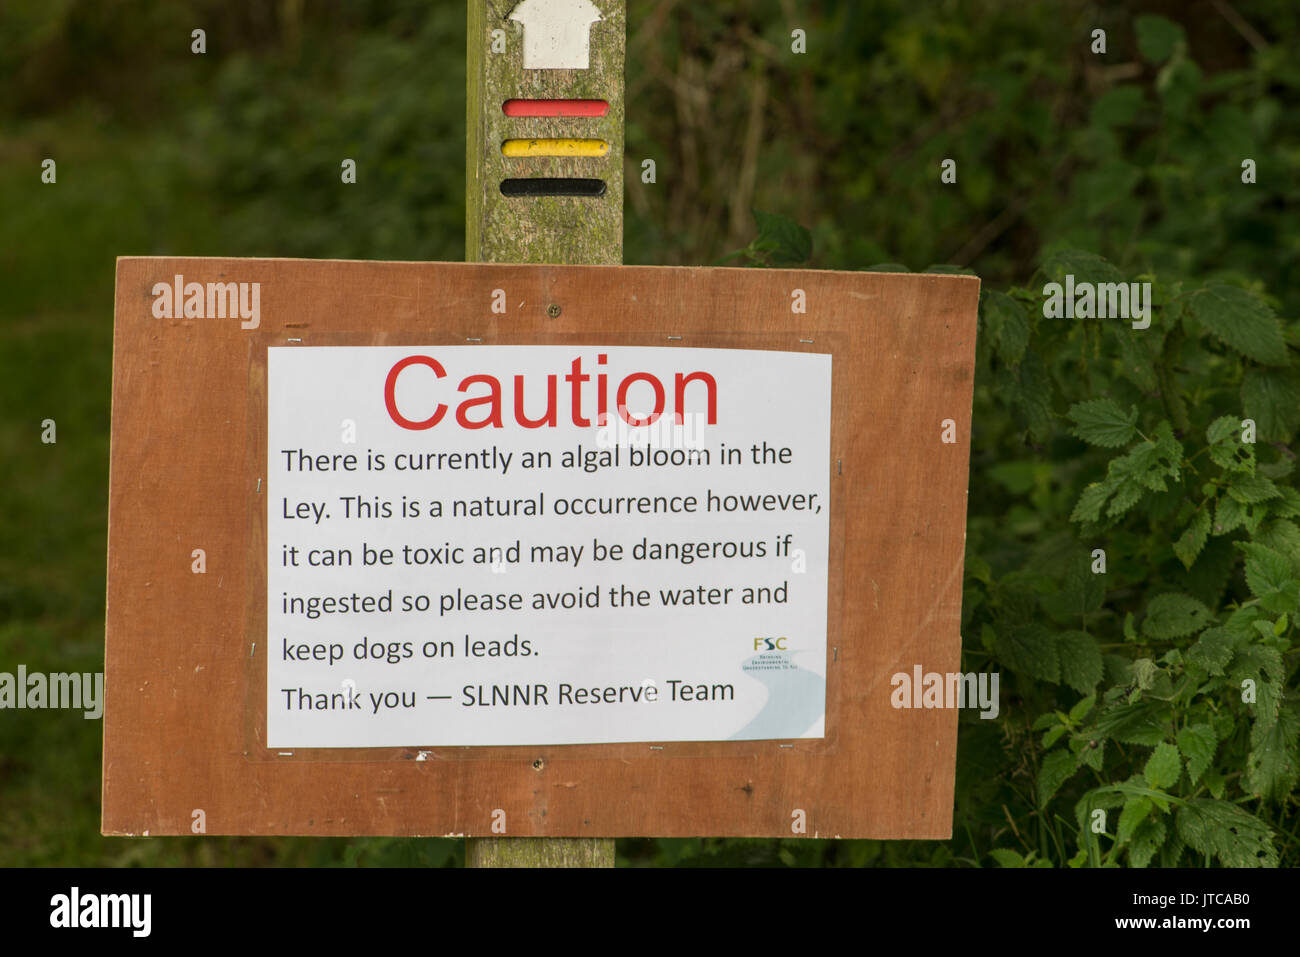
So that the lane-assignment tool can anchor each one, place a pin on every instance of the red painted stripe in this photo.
(555, 107)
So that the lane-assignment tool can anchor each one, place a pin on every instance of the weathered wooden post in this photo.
(544, 184)
(544, 137)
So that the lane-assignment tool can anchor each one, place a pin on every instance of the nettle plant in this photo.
(1134, 569)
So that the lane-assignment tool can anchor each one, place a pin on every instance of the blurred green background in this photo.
(1134, 154)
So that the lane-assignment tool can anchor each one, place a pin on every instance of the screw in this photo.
(553, 310)
(538, 764)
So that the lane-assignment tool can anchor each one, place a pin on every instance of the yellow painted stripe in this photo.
(558, 147)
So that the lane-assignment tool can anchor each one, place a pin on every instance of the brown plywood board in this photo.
(184, 722)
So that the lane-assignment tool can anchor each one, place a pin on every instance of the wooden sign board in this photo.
(390, 552)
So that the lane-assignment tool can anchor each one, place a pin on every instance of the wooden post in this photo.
(563, 130)
(549, 229)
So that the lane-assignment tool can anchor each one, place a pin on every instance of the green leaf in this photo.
(1081, 708)
(1272, 398)
(1007, 324)
(1213, 650)
(1163, 768)
(1193, 539)
(977, 568)
(1080, 660)
(1138, 352)
(1134, 813)
(1139, 723)
(1145, 672)
(1083, 266)
(1128, 493)
(1266, 570)
(1215, 782)
(1048, 719)
(1094, 800)
(1240, 320)
(1249, 489)
(1171, 852)
(1102, 422)
(1149, 463)
(1283, 537)
(1263, 665)
(1241, 623)
(1058, 767)
(1273, 765)
(1157, 38)
(1223, 830)
(1007, 857)
(1035, 395)
(1289, 504)
(1226, 448)
(1030, 650)
(1221, 428)
(783, 240)
(1178, 84)
(1167, 452)
(1088, 755)
(1269, 577)
(1175, 615)
(1279, 468)
(1229, 516)
(1197, 744)
(1088, 508)
(1147, 839)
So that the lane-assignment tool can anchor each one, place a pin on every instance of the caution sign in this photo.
(489, 545)
(536, 550)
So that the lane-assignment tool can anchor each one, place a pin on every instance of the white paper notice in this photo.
(525, 545)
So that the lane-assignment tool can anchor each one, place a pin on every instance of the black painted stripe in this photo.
(552, 186)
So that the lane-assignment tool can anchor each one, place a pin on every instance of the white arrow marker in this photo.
(557, 33)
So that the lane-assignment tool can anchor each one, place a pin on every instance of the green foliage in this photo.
(1170, 448)
(1190, 725)
(780, 242)
(1224, 831)
(1157, 38)
(1241, 321)
(1102, 422)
